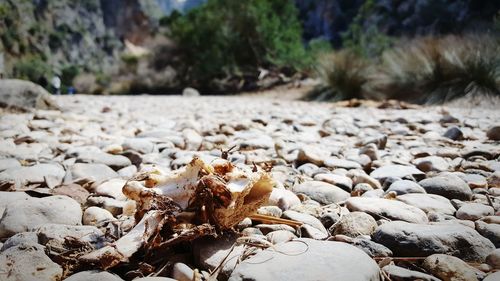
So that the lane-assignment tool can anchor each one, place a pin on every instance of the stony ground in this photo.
(396, 193)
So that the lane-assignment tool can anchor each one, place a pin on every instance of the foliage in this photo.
(366, 41)
(68, 73)
(344, 73)
(31, 68)
(223, 38)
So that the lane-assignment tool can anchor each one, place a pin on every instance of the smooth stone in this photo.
(114, 161)
(298, 260)
(9, 163)
(493, 259)
(356, 223)
(8, 197)
(28, 262)
(280, 236)
(420, 240)
(27, 214)
(493, 133)
(182, 272)
(308, 169)
(56, 233)
(490, 231)
(251, 231)
(474, 211)
(322, 192)
(115, 207)
(273, 211)
(341, 181)
(192, 139)
(449, 186)
(267, 228)
(495, 276)
(209, 253)
(127, 172)
(95, 172)
(450, 268)
(155, 279)
(93, 275)
(396, 171)
(305, 218)
(475, 181)
(38, 173)
(310, 154)
(454, 133)
(96, 216)
(283, 198)
(494, 180)
(312, 232)
(74, 191)
(341, 163)
(386, 208)
(140, 145)
(112, 188)
(30, 238)
(431, 163)
(405, 186)
(358, 177)
(371, 248)
(256, 142)
(428, 202)
(398, 273)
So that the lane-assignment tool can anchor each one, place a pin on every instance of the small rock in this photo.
(454, 133)
(449, 186)
(341, 163)
(405, 186)
(355, 224)
(310, 154)
(75, 191)
(428, 202)
(474, 211)
(493, 259)
(386, 208)
(266, 228)
(56, 234)
(28, 238)
(273, 211)
(322, 192)
(398, 273)
(280, 236)
(96, 216)
(94, 275)
(450, 268)
(127, 172)
(39, 173)
(190, 92)
(396, 171)
(96, 172)
(115, 207)
(304, 218)
(420, 240)
(111, 188)
(28, 262)
(192, 139)
(27, 214)
(283, 198)
(141, 145)
(371, 248)
(495, 276)
(182, 272)
(341, 181)
(490, 231)
(431, 163)
(9, 163)
(22, 94)
(339, 261)
(493, 133)
(209, 253)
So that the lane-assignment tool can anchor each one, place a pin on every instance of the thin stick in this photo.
(274, 220)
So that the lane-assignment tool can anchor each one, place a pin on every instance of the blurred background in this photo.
(415, 50)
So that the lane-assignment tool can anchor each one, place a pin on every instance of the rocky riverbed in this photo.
(382, 191)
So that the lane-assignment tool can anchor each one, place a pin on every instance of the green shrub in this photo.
(68, 73)
(224, 38)
(437, 69)
(31, 68)
(366, 41)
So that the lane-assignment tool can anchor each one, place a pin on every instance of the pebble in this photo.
(493, 259)
(449, 186)
(356, 223)
(93, 275)
(95, 172)
(322, 192)
(298, 260)
(396, 171)
(405, 186)
(420, 240)
(474, 211)
(450, 268)
(182, 272)
(27, 214)
(402, 274)
(385, 208)
(96, 216)
(428, 203)
(28, 262)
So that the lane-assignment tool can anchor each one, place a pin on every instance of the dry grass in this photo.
(343, 73)
(438, 69)
(423, 70)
